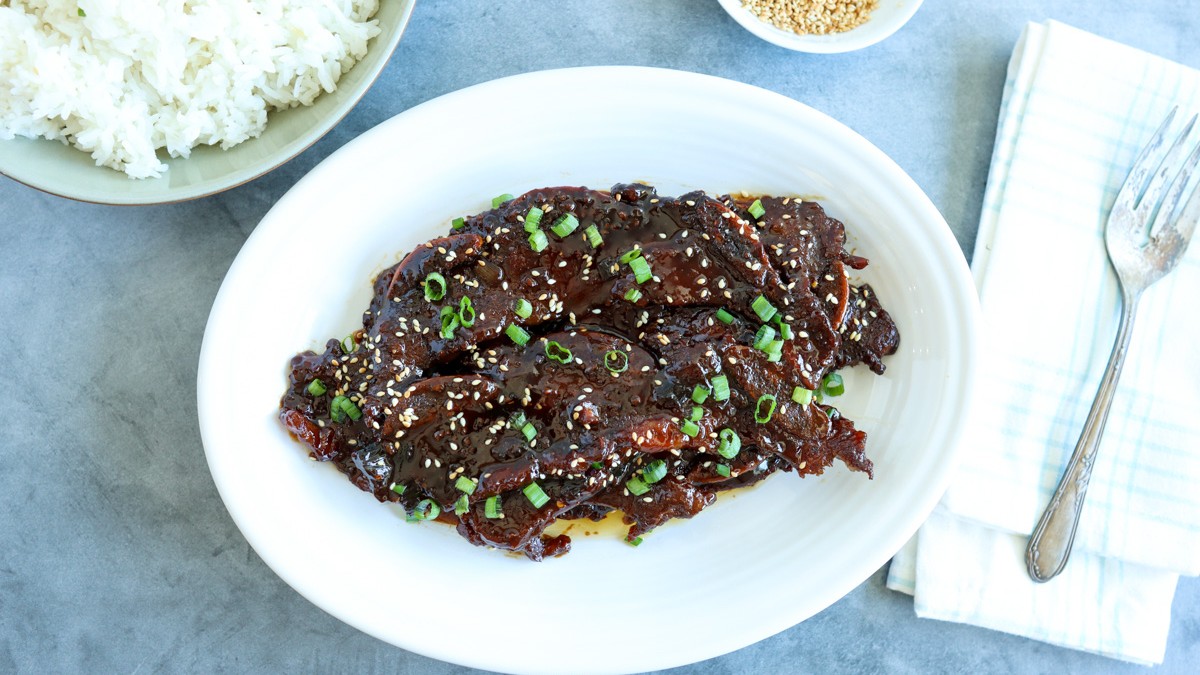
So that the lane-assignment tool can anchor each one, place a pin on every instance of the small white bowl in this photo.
(886, 19)
(62, 170)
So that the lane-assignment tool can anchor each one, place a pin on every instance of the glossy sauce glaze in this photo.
(435, 422)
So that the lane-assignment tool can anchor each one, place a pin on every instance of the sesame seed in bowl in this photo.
(821, 26)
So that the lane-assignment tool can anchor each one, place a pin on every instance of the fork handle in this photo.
(1050, 544)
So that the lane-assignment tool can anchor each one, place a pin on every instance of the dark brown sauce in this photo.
(436, 408)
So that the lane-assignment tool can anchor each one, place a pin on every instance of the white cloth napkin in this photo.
(1077, 109)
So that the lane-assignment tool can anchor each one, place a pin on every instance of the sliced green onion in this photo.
(557, 352)
(764, 408)
(641, 270)
(833, 413)
(630, 255)
(832, 385)
(597, 465)
(536, 495)
(616, 361)
(517, 334)
(756, 209)
(697, 413)
(593, 236)
(533, 219)
(317, 387)
(450, 322)
(398, 488)
(565, 225)
(785, 330)
(538, 241)
(81, 12)
(529, 431)
(689, 428)
(764, 337)
(720, 385)
(491, 507)
(724, 317)
(465, 484)
(461, 506)
(636, 541)
(497, 201)
(335, 409)
(730, 444)
(523, 309)
(350, 409)
(699, 394)
(723, 469)
(426, 509)
(802, 396)
(435, 287)
(633, 295)
(636, 486)
(349, 344)
(466, 312)
(763, 308)
(775, 351)
(458, 223)
(517, 420)
(654, 471)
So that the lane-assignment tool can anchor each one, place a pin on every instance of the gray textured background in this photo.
(116, 554)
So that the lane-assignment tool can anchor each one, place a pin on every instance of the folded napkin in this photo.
(1077, 109)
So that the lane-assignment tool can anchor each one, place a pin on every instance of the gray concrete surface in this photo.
(116, 554)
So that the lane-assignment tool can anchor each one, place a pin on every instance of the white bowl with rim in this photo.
(63, 170)
(885, 19)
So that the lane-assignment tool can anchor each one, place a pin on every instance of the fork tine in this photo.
(1142, 166)
(1162, 176)
(1185, 223)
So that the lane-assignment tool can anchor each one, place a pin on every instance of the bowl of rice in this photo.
(147, 103)
(822, 26)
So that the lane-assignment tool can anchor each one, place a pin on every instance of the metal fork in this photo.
(1146, 236)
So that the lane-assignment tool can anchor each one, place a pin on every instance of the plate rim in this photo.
(961, 297)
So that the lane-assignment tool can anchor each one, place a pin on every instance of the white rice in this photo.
(133, 76)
